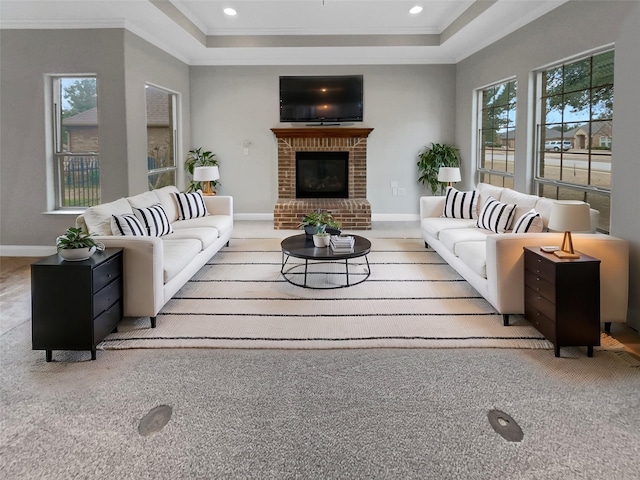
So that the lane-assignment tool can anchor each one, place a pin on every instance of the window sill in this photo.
(75, 213)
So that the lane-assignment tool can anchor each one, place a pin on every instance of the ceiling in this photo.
(293, 32)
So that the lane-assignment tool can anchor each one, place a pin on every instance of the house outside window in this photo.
(496, 133)
(161, 106)
(574, 132)
(76, 141)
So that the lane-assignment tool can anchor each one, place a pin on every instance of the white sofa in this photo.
(493, 263)
(155, 268)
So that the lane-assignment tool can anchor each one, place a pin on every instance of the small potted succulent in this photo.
(318, 218)
(76, 245)
(321, 237)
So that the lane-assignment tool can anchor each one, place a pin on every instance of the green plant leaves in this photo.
(432, 158)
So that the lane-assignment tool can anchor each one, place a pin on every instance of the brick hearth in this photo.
(353, 212)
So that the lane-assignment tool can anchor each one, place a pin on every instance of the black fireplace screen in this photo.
(322, 174)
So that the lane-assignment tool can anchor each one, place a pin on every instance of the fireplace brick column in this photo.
(353, 212)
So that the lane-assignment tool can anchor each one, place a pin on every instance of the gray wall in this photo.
(407, 106)
(570, 30)
(123, 63)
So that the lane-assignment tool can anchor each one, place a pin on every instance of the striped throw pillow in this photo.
(530, 222)
(459, 204)
(127, 225)
(190, 205)
(496, 216)
(155, 220)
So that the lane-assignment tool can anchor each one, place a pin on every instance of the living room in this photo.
(230, 108)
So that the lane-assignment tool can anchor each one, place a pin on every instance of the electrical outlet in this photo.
(402, 191)
(394, 191)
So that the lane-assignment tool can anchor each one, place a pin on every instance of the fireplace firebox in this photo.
(322, 174)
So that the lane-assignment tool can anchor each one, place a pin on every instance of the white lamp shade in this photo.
(570, 216)
(205, 174)
(449, 174)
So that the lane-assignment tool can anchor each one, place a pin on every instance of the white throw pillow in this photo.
(496, 216)
(459, 204)
(190, 205)
(155, 220)
(127, 225)
(530, 222)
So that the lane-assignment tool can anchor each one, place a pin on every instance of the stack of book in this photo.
(342, 243)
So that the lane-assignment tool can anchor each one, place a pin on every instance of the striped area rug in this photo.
(412, 299)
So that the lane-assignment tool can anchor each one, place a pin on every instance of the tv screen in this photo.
(321, 99)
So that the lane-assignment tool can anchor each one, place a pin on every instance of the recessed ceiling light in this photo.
(230, 11)
(416, 9)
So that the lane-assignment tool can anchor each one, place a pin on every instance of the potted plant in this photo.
(76, 245)
(432, 158)
(321, 237)
(199, 158)
(317, 218)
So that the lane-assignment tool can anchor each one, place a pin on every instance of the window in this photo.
(574, 132)
(161, 136)
(496, 134)
(76, 144)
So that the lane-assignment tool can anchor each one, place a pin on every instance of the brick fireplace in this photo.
(353, 212)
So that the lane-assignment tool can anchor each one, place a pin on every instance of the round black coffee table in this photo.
(299, 246)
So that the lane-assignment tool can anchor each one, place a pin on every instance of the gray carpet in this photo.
(317, 414)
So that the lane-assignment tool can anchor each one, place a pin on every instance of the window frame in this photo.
(489, 175)
(175, 137)
(540, 183)
(58, 155)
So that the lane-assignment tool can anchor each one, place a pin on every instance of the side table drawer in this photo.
(540, 285)
(105, 273)
(107, 297)
(540, 303)
(546, 326)
(106, 322)
(540, 267)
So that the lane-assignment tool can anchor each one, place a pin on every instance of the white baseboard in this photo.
(26, 250)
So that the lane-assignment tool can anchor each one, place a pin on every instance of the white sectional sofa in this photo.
(156, 267)
(493, 263)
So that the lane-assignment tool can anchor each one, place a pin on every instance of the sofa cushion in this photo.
(496, 216)
(143, 200)
(98, 218)
(435, 225)
(486, 190)
(190, 205)
(450, 238)
(522, 201)
(459, 204)
(474, 256)
(530, 222)
(155, 220)
(205, 235)
(223, 223)
(128, 225)
(177, 254)
(165, 194)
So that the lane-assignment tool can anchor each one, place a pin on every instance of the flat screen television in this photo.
(321, 99)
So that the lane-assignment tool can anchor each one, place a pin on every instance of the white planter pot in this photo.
(76, 254)
(321, 240)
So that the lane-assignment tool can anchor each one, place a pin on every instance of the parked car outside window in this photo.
(557, 145)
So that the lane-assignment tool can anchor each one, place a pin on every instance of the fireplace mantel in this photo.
(322, 132)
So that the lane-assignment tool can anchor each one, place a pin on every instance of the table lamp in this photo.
(568, 216)
(449, 175)
(206, 175)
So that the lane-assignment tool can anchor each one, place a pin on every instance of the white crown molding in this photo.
(157, 43)
(62, 24)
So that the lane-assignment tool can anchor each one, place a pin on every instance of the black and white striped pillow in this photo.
(155, 220)
(190, 205)
(127, 225)
(496, 216)
(459, 204)
(530, 222)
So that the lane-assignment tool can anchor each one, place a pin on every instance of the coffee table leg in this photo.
(346, 269)
(306, 263)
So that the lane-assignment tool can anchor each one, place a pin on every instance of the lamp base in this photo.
(206, 189)
(563, 254)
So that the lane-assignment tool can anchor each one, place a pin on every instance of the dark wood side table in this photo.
(74, 305)
(562, 298)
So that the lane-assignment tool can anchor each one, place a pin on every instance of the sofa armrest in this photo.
(219, 204)
(505, 269)
(431, 207)
(143, 282)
